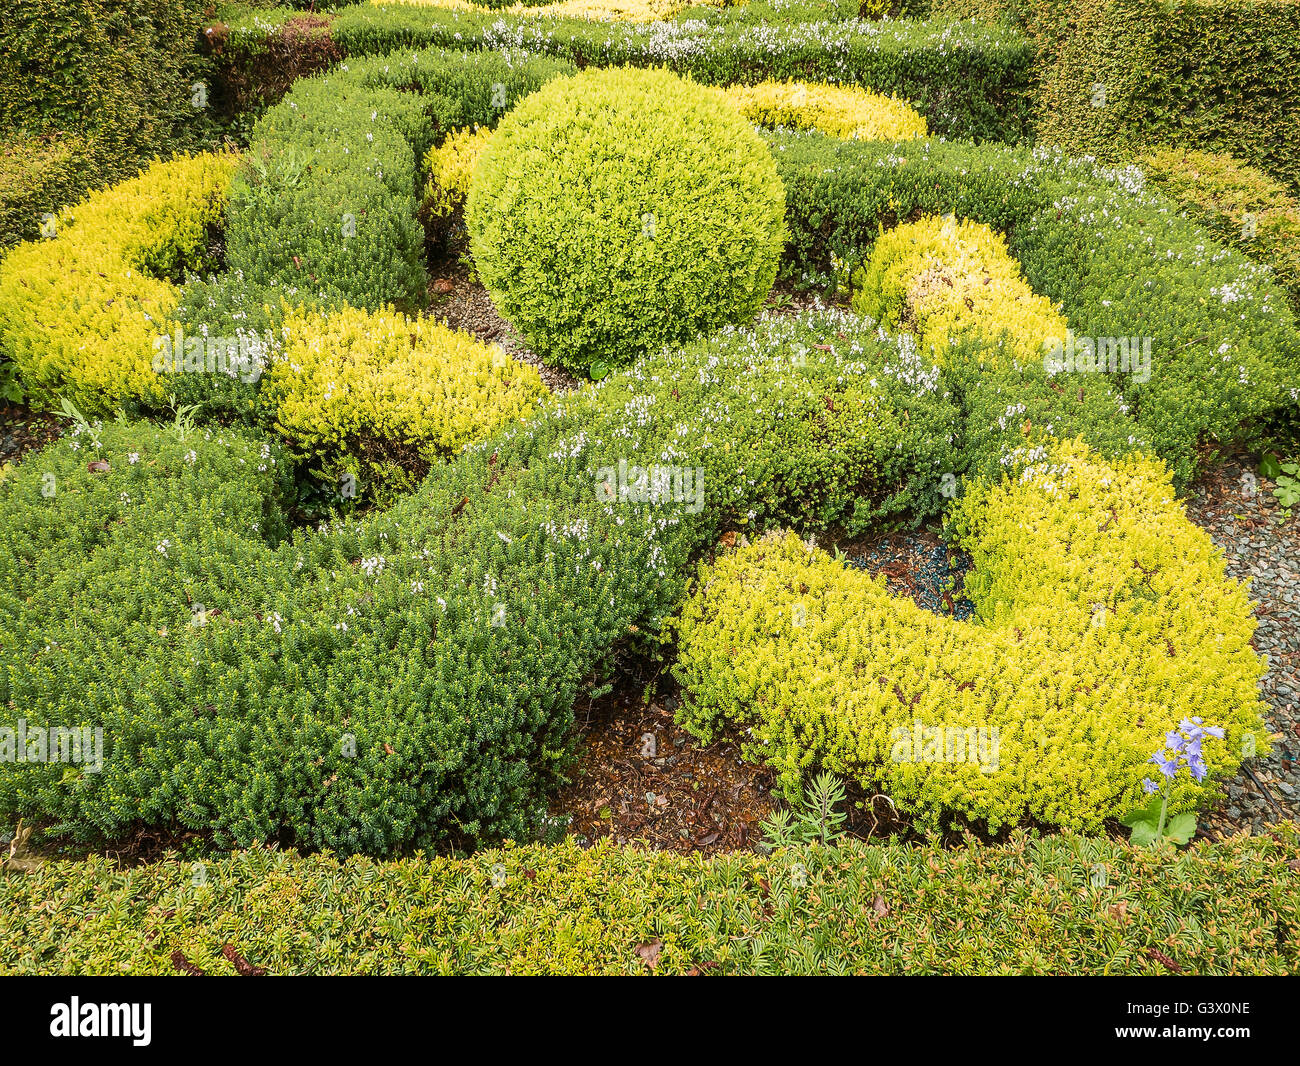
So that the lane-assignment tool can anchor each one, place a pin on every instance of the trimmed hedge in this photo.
(1213, 75)
(1113, 255)
(379, 393)
(410, 679)
(1030, 906)
(838, 111)
(325, 210)
(1102, 618)
(616, 212)
(81, 312)
(1239, 204)
(967, 79)
(946, 281)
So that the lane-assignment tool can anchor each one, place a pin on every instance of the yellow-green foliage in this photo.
(836, 110)
(354, 376)
(79, 312)
(1026, 906)
(451, 166)
(944, 280)
(1102, 618)
(1238, 203)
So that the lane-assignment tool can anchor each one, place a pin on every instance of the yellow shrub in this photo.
(451, 166)
(1102, 618)
(836, 110)
(79, 312)
(944, 280)
(354, 376)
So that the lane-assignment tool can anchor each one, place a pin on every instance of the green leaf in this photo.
(1143, 832)
(1149, 813)
(1181, 827)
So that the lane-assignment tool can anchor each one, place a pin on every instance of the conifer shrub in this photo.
(408, 679)
(1102, 618)
(619, 211)
(81, 310)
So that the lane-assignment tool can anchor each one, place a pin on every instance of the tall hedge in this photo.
(118, 75)
(1214, 75)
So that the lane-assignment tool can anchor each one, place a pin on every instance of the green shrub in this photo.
(1224, 908)
(1102, 616)
(410, 679)
(1237, 203)
(1112, 254)
(616, 212)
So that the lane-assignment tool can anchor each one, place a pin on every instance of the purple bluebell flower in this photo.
(1168, 767)
(1149, 786)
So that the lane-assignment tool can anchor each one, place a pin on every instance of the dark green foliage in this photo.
(111, 82)
(1215, 75)
(339, 701)
(1115, 255)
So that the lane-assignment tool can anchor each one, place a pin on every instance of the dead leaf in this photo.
(880, 906)
(98, 466)
(649, 953)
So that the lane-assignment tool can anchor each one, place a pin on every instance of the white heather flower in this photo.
(133, 458)
(162, 546)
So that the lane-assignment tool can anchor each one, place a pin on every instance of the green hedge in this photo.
(1061, 905)
(1212, 75)
(325, 208)
(116, 79)
(968, 80)
(1115, 255)
(447, 637)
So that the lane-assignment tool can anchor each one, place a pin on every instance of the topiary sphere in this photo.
(618, 211)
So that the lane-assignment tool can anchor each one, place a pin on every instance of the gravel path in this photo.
(1244, 524)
